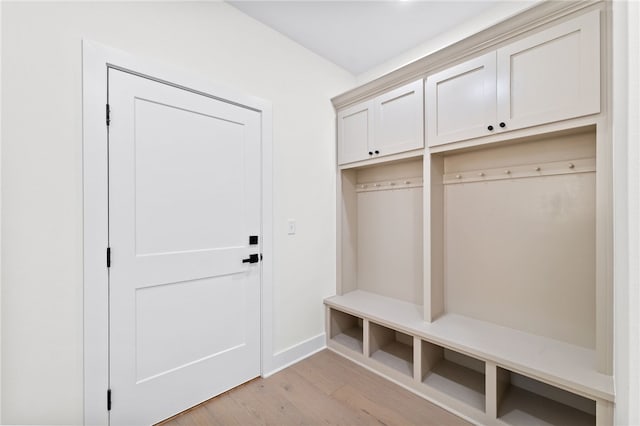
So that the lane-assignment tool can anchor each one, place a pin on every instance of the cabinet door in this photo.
(355, 126)
(461, 101)
(399, 120)
(550, 76)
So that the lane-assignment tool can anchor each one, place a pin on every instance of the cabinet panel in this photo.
(461, 101)
(399, 120)
(355, 125)
(552, 75)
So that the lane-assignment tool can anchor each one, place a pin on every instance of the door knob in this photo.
(253, 258)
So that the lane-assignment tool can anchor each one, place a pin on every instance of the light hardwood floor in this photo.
(323, 389)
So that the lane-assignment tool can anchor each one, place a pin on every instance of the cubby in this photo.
(346, 330)
(381, 234)
(516, 235)
(453, 373)
(526, 401)
(391, 348)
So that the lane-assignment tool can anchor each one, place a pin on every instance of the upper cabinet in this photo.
(398, 120)
(388, 124)
(550, 76)
(461, 101)
(355, 126)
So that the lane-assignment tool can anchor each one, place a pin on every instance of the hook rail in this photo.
(583, 165)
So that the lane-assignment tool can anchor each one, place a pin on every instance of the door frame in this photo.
(96, 59)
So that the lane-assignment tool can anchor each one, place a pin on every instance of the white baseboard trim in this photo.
(293, 354)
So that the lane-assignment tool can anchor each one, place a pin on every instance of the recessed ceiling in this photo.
(358, 35)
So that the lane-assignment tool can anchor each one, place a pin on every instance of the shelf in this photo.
(567, 366)
(350, 338)
(397, 356)
(456, 380)
(391, 348)
(346, 330)
(522, 407)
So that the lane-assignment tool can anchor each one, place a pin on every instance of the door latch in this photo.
(253, 258)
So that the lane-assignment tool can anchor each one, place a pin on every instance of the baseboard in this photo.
(293, 354)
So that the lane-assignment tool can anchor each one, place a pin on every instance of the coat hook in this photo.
(571, 165)
(507, 172)
(458, 176)
(407, 182)
(376, 185)
(481, 174)
(392, 183)
(537, 169)
(363, 186)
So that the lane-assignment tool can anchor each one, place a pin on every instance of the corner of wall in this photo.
(626, 133)
(293, 354)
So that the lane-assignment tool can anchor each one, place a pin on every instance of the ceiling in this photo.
(358, 35)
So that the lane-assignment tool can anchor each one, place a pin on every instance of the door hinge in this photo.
(108, 257)
(108, 115)
(108, 399)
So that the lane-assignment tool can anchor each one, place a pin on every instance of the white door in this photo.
(184, 197)
(399, 120)
(461, 101)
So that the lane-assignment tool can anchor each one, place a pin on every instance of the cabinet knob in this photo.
(490, 128)
(370, 153)
(377, 152)
(502, 124)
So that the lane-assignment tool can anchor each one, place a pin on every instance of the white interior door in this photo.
(184, 197)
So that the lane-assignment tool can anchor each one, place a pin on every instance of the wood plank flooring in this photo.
(324, 389)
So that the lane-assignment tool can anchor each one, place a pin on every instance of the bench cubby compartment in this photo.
(346, 330)
(455, 374)
(526, 401)
(391, 348)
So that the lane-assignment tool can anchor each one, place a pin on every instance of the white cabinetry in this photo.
(461, 101)
(388, 124)
(550, 76)
(478, 274)
(398, 120)
(355, 126)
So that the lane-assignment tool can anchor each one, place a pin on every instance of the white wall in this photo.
(626, 139)
(42, 173)
(482, 21)
(0, 213)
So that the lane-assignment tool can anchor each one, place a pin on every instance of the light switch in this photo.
(291, 227)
